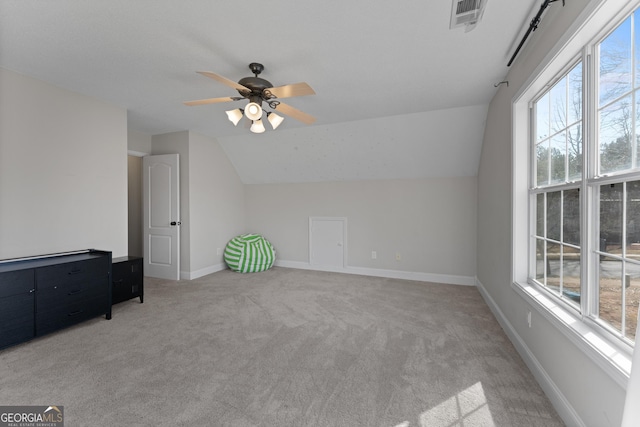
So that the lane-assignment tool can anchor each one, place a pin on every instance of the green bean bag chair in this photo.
(249, 253)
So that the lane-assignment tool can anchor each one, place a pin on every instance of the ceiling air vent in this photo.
(466, 13)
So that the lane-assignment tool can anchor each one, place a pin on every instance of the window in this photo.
(557, 182)
(584, 184)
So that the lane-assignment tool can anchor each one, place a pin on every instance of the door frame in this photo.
(342, 219)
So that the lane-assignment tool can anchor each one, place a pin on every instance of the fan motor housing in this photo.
(255, 84)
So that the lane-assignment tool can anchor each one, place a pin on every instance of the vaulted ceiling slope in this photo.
(395, 87)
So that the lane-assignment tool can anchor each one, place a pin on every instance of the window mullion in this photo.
(588, 235)
(634, 143)
(566, 128)
(623, 278)
(549, 139)
(634, 137)
(533, 198)
(546, 242)
(561, 261)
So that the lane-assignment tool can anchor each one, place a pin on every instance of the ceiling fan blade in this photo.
(212, 100)
(288, 91)
(295, 113)
(223, 80)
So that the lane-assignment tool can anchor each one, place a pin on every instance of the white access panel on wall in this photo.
(328, 242)
(161, 216)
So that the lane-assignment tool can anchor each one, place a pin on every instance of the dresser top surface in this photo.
(47, 260)
(126, 259)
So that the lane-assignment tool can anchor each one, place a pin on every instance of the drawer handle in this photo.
(77, 291)
(75, 313)
(75, 271)
(118, 281)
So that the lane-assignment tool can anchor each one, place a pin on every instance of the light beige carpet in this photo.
(283, 347)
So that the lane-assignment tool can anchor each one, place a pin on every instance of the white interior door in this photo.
(161, 213)
(327, 242)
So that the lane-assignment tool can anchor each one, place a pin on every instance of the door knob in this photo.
(176, 223)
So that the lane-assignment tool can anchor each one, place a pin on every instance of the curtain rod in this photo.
(532, 27)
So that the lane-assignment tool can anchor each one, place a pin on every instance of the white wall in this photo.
(63, 170)
(430, 222)
(138, 142)
(581, 391)
(211, 200)
(216, 204)
(408, 146)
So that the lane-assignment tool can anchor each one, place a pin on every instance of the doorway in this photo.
(134, 204)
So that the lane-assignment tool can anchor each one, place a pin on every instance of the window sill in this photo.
(613, 358)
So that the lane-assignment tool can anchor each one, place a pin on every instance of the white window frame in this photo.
(596, 20)
(554, 187)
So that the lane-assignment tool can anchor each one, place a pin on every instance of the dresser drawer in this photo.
(15, 334)
(16, 282)
(16, 309)
(126, 289)
(78, 271)
(127, 270)
(64, 294)
(16, 319)
(127, 279)
(57, 317)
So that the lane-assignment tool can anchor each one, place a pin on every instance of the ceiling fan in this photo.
(258, 90)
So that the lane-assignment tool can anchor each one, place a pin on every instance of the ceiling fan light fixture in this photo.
(235, 115)
(274, 119)
(257, 126)
(256, 90)
(253, 111)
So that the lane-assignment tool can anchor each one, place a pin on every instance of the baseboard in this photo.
(190, 275)
(558, 400)
(378, 272)
(375, 272)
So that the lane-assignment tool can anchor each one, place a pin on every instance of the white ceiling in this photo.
(366, 60)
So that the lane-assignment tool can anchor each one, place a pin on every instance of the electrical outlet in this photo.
(374, 255)
(398, 257)
(529, 318)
